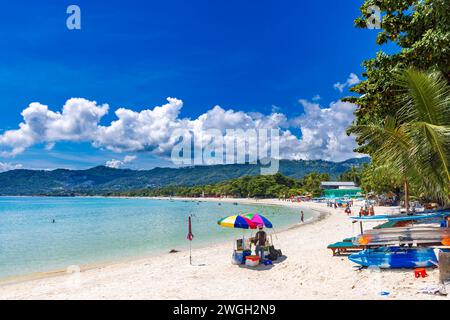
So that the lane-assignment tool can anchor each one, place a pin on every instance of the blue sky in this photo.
(249, 56)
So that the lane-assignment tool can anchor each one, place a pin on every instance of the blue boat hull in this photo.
(395, 257)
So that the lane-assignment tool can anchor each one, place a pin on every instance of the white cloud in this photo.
(116, 164)
(49, 146)
(352, 80)
(316, 97)
(128, 159)
(275, 109)
(78, 121)
(152, 130)
(4, 166)
(324, 131)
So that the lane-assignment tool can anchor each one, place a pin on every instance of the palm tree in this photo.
(353, 174)
(416, 141)
(380, 178)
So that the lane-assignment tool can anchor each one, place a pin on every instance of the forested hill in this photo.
(100, 180)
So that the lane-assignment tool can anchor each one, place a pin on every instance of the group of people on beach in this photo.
(367, 211)
(335, 204)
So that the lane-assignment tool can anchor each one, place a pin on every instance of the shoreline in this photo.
(93, 266)
(307, 271)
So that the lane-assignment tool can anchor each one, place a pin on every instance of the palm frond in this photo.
(416, 142)
(423, 97)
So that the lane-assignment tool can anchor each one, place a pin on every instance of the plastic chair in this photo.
(420, 272)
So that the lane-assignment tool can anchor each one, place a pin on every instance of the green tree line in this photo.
(262, 186)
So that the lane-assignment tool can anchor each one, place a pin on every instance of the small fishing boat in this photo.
(396, 257)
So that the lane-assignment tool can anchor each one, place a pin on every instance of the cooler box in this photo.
(246, 253)
(251, 261)
(239, 256)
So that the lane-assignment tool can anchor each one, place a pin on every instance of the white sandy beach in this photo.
(308, 272)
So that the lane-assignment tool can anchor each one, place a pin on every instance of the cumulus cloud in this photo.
(128, 159)
(116, 164)
(4, 166)
(153, 130)
(324, 131)
(352, 80)
(77, 121)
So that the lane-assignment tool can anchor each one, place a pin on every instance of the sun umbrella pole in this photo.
(275, 233)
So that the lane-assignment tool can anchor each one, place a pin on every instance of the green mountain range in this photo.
(101, 180)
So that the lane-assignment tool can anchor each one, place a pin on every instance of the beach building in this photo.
(336, 189)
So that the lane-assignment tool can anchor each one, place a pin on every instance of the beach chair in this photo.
(344, 247)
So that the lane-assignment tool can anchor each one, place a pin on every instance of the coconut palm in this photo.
(416, 141)
(380, 178)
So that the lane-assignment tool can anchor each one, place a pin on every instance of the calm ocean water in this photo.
(99, 230)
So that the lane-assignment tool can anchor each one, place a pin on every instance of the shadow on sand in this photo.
(262, 267)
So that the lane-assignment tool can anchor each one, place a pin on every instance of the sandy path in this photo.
(308, 272)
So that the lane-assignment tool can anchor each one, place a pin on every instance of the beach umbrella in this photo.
(237, 221)
(190, 235)
(258, 219)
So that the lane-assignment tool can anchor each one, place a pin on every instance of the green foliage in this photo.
(262, 186)
(312, 181)
(380, 179)
(421, 29)
(354, 174)
(102, 180)
(415, 142)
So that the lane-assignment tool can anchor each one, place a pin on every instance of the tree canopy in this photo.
(415, 142)
(262, 186)
(421, 31)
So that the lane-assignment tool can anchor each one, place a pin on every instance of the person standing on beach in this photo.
(348, 211)
(302, 216)
(260, 242)
(362, 212)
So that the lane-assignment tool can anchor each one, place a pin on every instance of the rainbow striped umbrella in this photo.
(237, 221)
(258, 219)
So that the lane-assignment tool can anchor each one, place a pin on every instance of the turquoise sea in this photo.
(102, 230)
